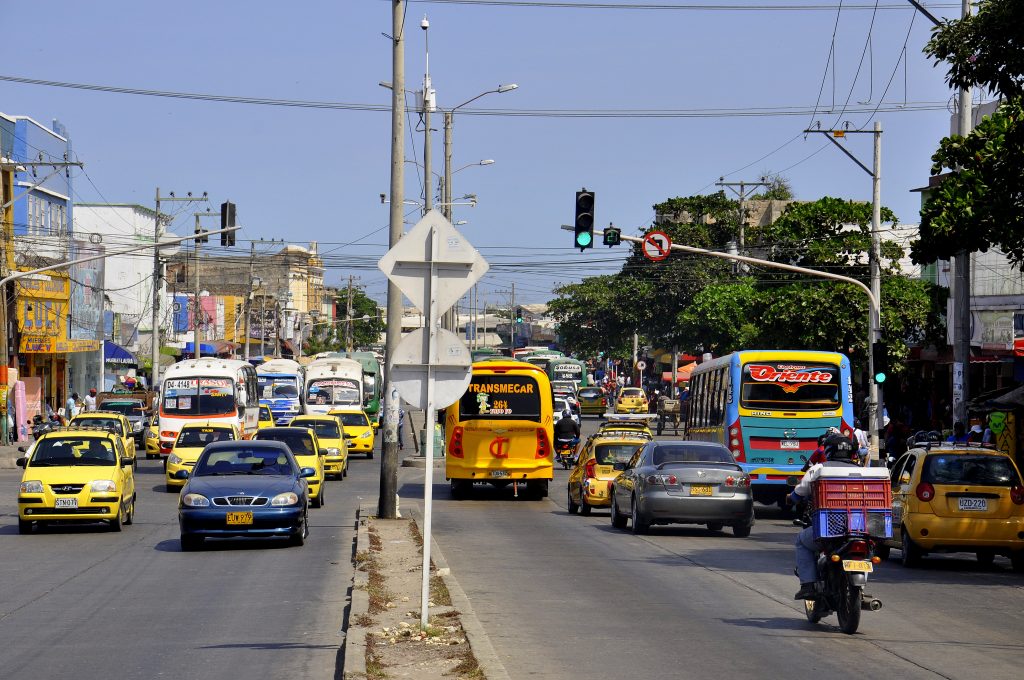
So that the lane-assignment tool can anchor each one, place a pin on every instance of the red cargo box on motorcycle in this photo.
(852, 500)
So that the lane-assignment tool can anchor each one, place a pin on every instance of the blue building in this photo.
(43, 217)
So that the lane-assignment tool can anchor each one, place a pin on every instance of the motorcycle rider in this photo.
(566, 429)
(840, 453)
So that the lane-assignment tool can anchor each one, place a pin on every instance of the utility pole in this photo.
(387, 505)
(159, 283)
(349, 339)
(512, 317)
(197, 308)
(248, 297)
(426, 107)
(741, 193)
(446, 198)
(962, 282)
(277, 328)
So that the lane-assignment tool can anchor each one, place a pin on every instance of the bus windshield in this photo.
(198, 397)
(278, 387)
(331, 391)
(501, 397)
(790, 386)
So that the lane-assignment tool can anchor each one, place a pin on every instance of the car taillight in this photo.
(736, 441)
(604, 402)
(662, 480)
(455, 443)
(591, 468)
(543, 445)
(1017, 495)
(168, 433)
(924, 492)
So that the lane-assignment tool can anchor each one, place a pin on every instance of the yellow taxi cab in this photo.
(628, 423)
(957, 499)
(113, 421)
(631, 400)
(152, 440)
(305, 446)
(358, 430)
(592, 401)
(602, 459)
(332, 441)
(77, 474)
(266, 418)
(191, 441)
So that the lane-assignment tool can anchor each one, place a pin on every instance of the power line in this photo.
(704, 7)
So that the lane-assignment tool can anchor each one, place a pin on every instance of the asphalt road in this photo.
(566, 596)
(81, 602)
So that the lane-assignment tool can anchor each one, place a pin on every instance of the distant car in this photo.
(564, 387)
(592, 401)
(244, 488)
(602, 459)
(191, 441)
(266, 417)
(561, 405)
(132, 408)
(76, 475)
(358, 430)
(622, 423)
(152, 441)
(957, 499)
(114, 422)
(305, 446)
(331, 439)
(683, 482)
(631, 400)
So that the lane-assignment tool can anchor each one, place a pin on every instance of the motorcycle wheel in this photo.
(812, 608)
(848, 610)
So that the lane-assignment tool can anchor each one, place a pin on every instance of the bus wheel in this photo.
(461, 489)
(537, 489)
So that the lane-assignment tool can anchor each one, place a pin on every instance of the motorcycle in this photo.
(565, 452)
(41, 426)
(843, 568)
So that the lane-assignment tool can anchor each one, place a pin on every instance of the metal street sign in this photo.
(457, 264)
(656, 246)
(450, 363)
(641, 365)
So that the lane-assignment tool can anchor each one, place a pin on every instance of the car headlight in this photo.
(174, 459)
(137, 426)
(101, 485)
(366, 435)
(288, 498)
(333, 452)
(32, 486)
(195, 500)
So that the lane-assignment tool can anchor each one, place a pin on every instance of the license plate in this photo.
(858, 565)
(66, 503)
(499, 473)
(700, 489)
(239, 518)
(789, 444)
(973, 504)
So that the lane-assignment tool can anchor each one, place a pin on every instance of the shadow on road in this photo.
(173, 545)
(777, 623)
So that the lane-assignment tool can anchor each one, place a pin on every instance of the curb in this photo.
(355, 636)
(479, 641)
(421, 462)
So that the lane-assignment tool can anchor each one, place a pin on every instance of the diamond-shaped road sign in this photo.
(457, 263)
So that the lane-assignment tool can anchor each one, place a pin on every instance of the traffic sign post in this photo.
(656, 246)
(433, 265)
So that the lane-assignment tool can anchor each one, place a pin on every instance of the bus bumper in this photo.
(511, 472)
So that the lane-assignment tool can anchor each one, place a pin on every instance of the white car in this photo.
(561, 405)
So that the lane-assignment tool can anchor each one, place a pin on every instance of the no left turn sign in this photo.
(657, 246)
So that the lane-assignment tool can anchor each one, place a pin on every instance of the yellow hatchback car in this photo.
(592, 401)
(602, 459)
(191, 441)
(266, 418)
(152, 440)
(113, 421)
(77, 475)
(631, 400)
(957, 499)
(358, 430)
(305, 446)
(332, 441)
(628, 424)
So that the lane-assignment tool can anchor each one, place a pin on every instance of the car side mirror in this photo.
(181, 474)
(125, 462)
(145, 423)
(905, 478)
(307, 472)
(376, 425)
(21, 462)
(23, 449)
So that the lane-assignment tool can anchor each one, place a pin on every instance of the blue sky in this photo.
(306, 174)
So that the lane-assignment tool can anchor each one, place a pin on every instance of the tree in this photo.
(980, 204)
(327, 336)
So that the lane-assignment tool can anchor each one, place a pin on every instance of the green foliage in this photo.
(325, 337)
(778, 190)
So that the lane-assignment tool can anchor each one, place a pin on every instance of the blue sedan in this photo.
(244, 488)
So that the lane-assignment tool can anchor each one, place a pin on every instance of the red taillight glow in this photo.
(455, 443)
(736, 442)
(737, 481)
(1017, 495)
(858, 548)
(168, 433)
(543, 445)
(590, 469)
(925, 492)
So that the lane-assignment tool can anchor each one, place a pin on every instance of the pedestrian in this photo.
(975, 435)
(401, 426)
(71, 406)
(90, 400)
(861, 440)
(988, 438)
(959, 435)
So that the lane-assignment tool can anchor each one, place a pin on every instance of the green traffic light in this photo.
(584, 239)
(880, 378)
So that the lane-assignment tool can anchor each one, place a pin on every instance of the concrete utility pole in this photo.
(387, 506)
(741, 193)
(277, 328)
(446, 198)
(349, 335)
(512, 318)
(962, 281)
(426, 107)
(197, 308)
(248, 297)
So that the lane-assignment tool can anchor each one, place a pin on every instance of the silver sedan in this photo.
(683, 482)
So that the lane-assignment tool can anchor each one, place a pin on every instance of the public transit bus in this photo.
(281, 386)
(501, 430)
(563, 368)
(209, 390)
(332, 382)
(769, 407)
(482, 353)
(372, 387)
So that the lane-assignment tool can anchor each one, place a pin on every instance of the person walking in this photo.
(71, 406)
(861, 440)
(90, 400)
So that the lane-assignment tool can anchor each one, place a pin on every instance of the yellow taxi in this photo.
(358, 430)
(631, 400)
(332, 442)
(592, 401)
(266, 418)
(957, 499)
(602, 459)
(113, 421)
(191, 441)
(77, 474)
(631, 423)
(305, 446)
(152, 441)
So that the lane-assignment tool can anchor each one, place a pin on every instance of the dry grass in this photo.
(467, 668)
(439, 594)
(414, 532)
(374, 667)
(377, 592)
(363, 620)
(363, 560)
(376, 545)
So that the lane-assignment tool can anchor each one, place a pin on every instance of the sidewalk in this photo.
(9, 454)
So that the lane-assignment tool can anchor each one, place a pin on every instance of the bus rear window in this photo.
(501, 397)
(790, 386)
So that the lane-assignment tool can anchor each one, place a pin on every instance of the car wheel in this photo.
(190, 543)
(585, 507)
(24, 526)
(985, 557)
(741, 530)
(715, 526)
(573, 507)
(638, 523)
(882, 551)
(369, 455)
(319, 500)
(115, 524)
(618, 519)
(344, 470)
(911, 551)
(130, 517)
(299, 539)
(1017, 560)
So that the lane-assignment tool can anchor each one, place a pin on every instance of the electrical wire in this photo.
(702, 7)
(860, 65)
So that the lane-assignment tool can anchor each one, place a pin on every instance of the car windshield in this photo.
(198, 396)
(333, 391)
(244, 461)
(352, 419)
(324, 429)
(265, 413)
(128, 408)
(610, 454)
(977, 470)
(278, 387)
(592, 393)
(300, 443)
(73, 451)
(201, 436)
(680, 453)
(111, 424)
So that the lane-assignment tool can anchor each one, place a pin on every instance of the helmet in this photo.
(566, 414)
(838, 447)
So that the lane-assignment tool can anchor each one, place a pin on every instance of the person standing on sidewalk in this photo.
(90, 400)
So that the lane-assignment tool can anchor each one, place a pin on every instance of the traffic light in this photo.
(612, 236)
(201, 235)
(227, 220)
(880, 358)
(519, 314)
(584, 224)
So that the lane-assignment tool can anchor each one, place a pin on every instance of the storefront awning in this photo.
(204, 347)
(115, 354)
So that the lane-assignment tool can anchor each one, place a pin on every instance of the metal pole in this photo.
(962, 282)
(447, 320)
(157, 278)
(197, 308)
(277, 328)
(248, 297)
(428, 175)
(874, 317)
(512, 318)
(428, 445)
(387, 506)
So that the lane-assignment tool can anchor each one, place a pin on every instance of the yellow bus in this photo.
(501, 430)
